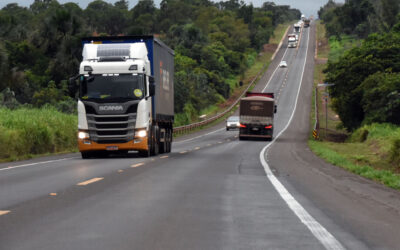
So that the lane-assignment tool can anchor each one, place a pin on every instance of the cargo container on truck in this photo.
(126, 96)
(256, 116)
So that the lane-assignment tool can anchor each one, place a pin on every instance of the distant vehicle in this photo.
(294, 35)
(282, 64)
(257, 115)
(303, 17)
(307, 23)
(232, 122)
(297, 27)
(292, 42)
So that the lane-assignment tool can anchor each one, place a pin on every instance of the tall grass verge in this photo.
(383, 176)
(26, 132)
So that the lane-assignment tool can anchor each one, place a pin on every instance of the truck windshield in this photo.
(112, 87)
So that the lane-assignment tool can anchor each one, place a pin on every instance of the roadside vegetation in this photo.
(28, 131)
(38, 119)
(214, 43)
(239, 83)
(363, 130)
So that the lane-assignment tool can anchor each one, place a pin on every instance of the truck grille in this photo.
(111, 128)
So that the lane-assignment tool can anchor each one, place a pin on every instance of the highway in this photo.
(212, 192)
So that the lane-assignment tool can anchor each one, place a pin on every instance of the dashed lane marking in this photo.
(196, 148)
(163, 157)
(137, 165)
(53, 194)
(183, 152)
(4, 212)
(120, 171)
(84, 183)
(272, 76)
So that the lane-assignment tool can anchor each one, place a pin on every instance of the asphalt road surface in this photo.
(212, 192)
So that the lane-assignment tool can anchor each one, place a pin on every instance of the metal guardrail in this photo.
(189, 127)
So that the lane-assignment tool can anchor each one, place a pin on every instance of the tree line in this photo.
(366, 78)
(40, 46)
(359, 17)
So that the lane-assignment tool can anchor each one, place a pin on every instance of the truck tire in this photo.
(163, 145)
(169, 141)
(155, 138)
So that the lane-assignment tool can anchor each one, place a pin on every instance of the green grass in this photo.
(322, 42)
(278, 33)
(386, 177)
(339, 47)
(28, 132)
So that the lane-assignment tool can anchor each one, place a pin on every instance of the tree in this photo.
(381, 98)
(378, 53)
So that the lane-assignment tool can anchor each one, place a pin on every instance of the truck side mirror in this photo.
(72, 86)
(275, 109)
(152, 86)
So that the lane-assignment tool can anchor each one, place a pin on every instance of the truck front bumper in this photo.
(136, 144)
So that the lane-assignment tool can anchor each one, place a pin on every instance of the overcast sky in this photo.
(307, 7)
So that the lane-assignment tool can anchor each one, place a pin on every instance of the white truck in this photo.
(126, 96)
(292, 40)
(297, 27)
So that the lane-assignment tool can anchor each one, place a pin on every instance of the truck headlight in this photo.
(141, 133)
(83, 135)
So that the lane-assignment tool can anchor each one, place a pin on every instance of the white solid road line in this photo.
(36, 163)
(323, 235)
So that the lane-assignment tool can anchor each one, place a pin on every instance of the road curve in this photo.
(211, 192)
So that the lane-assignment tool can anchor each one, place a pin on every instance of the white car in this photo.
(232, 122)
(283, 64)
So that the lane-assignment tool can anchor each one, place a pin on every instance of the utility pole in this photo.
(326, 96)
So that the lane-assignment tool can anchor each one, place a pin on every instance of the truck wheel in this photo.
(169, 142)
(155, 141)
(163, 145)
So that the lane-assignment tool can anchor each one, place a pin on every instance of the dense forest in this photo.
(367, 77)
(40, 46)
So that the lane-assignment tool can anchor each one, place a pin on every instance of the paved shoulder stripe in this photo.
(326, 238)
(36, 163)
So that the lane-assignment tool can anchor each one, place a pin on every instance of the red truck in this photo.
(256, 115)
